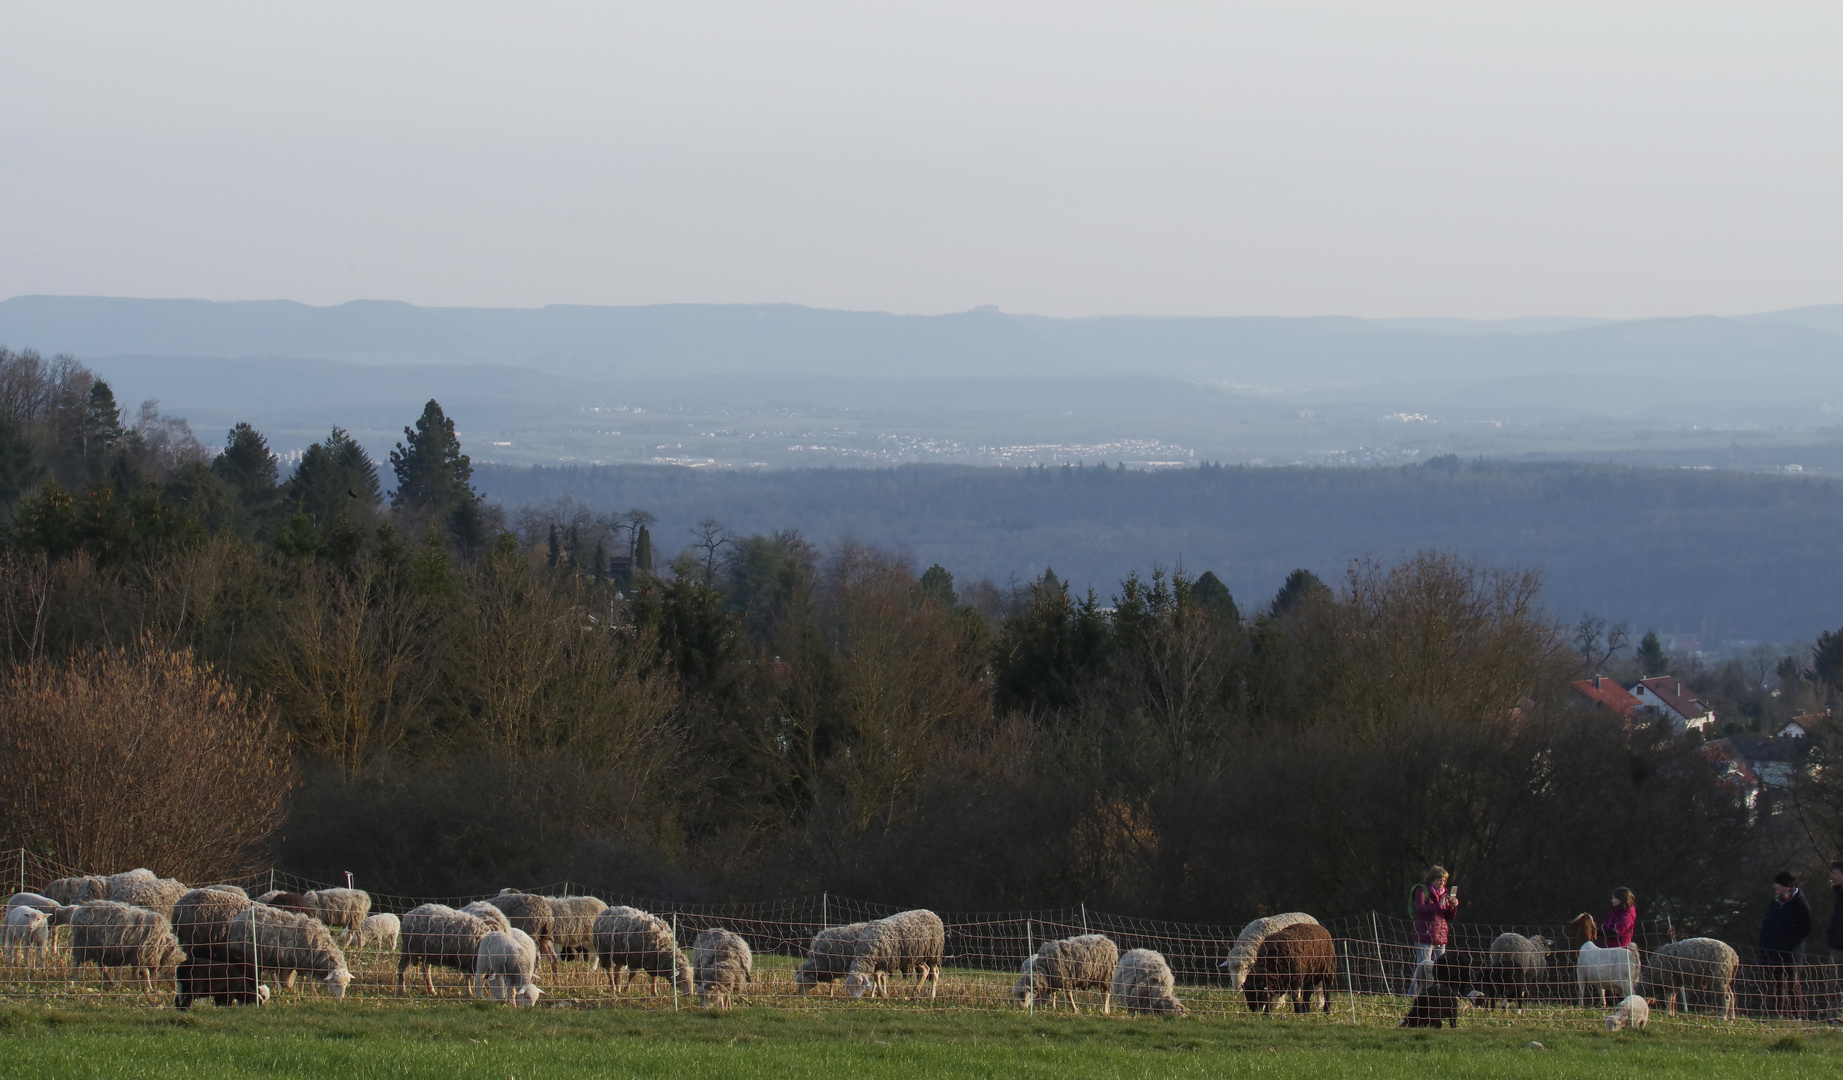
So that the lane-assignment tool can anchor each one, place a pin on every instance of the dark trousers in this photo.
(1781, 988)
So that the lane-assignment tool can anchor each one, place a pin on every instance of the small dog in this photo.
(1634, 1013)
(1436, 1004)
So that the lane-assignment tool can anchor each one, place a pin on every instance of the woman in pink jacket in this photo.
(1621, 922)
(1435, 905)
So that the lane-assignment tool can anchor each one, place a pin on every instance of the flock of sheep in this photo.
(219, 942)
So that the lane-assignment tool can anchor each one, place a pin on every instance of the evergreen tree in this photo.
(556, 547)
(1651, 658)
(1214, 596)
(248, 469)
(19, 464)
(101, 429)
(336, 479)
(643, 551)
(1301, 587)
(432, 473)
(1827, 659)
(937, 584)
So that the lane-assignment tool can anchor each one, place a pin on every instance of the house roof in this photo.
(1768, 747)
(1731, 763)
(1669, 689)
(1607, 694)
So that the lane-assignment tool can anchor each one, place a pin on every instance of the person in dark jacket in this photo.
(1782, 941)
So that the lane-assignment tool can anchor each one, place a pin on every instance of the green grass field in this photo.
(466, 1039)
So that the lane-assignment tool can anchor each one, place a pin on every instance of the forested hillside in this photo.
(367, 667)
(1717, 554)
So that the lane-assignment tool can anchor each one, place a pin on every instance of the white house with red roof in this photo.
(1666, 696)
(1603, 693)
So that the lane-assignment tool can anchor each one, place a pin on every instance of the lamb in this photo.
(1248, 944)
(1435, 1004)
(489, 914)
(504, 964)
(1297, 961)
(227, 977)
(531, 913)
(290, 942)
(834, 948)
(115, 935)
(1697, 965)
(1600, 970)
(380, 931)
(904, 942)
(202, 916)
(26, 930)
(436, 935)
(35, 901)
(1516, 968)
(340, 908)
(628, 939)
(1634, 1013)
(1142, 983)
(722, 964)
(75, 890)
(1085, 962)
(573, 925)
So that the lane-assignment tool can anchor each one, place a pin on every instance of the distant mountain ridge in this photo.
(688, 339)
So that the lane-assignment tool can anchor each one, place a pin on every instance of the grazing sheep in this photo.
(292, 902)
(75, 890)
(722, 965)
(154, 894)
(531, 913)
(118, 882)
(35, 901)
(489, 914)
(628, 939)
(834, 948)
(1296, 961)
(380, 931)
(343, 909)
(227, 977)
(1085, 962)
(1142, 983)
(436, 935)
(1600, 970)
(115, 935)
(573, 926)
(904, 942)
(1634, 1013)
(202, 916)
(26, 930)
(1697, 965)
(1516, 968)
(1248, 944)
(1435, 1004)
(234, 890)
(504, 965)
(290, 942)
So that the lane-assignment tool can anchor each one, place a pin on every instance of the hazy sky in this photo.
(1472, 159)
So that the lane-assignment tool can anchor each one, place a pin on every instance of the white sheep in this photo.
(203, 916)
(1084, 962)
(1600, 970)
(505, 965)
(26, 930)
(532, 914)
(1248, 945)
(834, 948)
(114, 935)
(1143, 983)
(573, 926)
(380, 931)
(75, 890)
(491, 914)
(628, 939)
(288, 942)
(154, 894)
(908, 941)
(436, 935)
(1697, 965)
(343, 909)
(1634, 1013)
(722, 964)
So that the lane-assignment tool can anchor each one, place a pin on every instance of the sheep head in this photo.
(262, 994)
(527, 994)
(336, 981)
(857, 982)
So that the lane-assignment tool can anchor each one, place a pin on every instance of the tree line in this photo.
(382, 672)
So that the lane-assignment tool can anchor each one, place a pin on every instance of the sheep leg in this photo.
(1107, 1002)
(428, 976)
(556, 963)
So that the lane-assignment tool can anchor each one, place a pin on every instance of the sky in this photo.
(1300, 158)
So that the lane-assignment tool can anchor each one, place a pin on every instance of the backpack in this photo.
(1414, 901)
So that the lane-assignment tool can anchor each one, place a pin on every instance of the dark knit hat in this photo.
(1786, 878)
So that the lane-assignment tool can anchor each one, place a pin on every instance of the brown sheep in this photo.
(1296, 961)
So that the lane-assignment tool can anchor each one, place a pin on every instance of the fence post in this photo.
(271, 879)
(1084, 917)
(1350, 982)
(1382, 970)
(1030, 950)
(675, 959)
(825, 917)
(22, 869)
